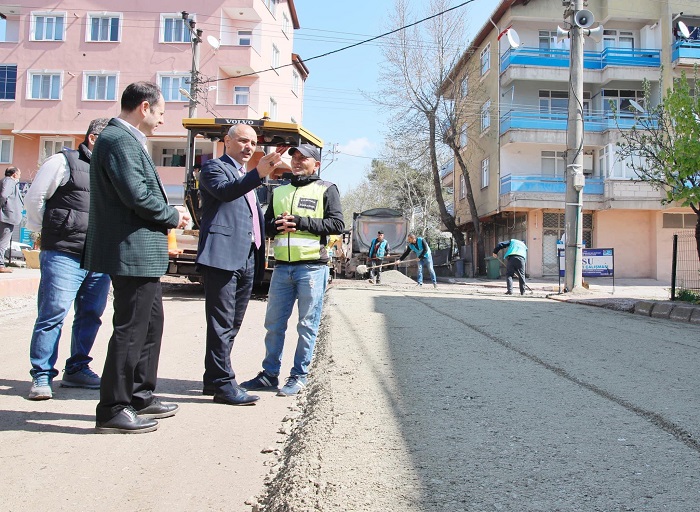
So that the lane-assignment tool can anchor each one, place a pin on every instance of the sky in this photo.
(336, 108)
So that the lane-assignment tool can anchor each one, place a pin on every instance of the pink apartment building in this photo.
(64, 64)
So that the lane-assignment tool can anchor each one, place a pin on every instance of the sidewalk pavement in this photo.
(22, 281)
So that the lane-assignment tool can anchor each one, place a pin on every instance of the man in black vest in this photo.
(57, 204)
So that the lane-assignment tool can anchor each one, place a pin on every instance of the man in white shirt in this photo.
(57, 205)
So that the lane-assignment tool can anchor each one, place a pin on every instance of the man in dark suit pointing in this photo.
(127, 239)
(231, 254)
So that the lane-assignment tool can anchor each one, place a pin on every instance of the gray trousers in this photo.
(5, 240)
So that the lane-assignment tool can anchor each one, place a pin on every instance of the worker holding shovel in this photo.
(422, 250)
(378, 249)
(515, 257)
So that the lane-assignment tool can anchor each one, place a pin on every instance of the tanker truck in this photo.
(365, 226)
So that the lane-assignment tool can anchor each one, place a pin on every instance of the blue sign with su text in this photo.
(595, 263)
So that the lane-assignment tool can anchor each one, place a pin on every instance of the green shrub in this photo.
(689, 296)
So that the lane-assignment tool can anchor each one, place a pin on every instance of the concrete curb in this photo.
(679, 312)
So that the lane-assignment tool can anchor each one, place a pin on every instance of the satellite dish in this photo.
(213, 42)
(683, 28)
(636, 106)
(513, 38)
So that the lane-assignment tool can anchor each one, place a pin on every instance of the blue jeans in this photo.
(305, 284)
(427, 260)
(62, 283)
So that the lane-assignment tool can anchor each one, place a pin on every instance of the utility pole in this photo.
(573, 212)
(190, 180)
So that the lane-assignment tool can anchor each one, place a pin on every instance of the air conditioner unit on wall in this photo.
(588, 165)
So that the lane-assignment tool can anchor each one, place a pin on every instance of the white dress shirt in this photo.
(53, 173)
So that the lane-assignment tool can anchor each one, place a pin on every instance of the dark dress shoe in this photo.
(158, 409)
(126, 422)
(209, 390)
(238, 397)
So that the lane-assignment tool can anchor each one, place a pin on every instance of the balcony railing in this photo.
(525, 56)
(545, 184)
(527, 120)
(684, 49)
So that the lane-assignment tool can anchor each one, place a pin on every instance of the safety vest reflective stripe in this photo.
(297, 241)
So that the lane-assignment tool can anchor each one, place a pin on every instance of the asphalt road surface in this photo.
(437, 400)
(420, 399)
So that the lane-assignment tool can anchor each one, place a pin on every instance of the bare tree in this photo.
(417, 86)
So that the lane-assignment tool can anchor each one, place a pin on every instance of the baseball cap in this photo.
(308, 150)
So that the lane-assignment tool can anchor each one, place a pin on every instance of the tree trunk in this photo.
(480, 253)
(447, 219)
(697, 234)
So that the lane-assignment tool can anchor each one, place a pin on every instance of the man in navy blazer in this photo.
(231, 254)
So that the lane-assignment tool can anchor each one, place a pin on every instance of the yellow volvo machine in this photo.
(271, 134)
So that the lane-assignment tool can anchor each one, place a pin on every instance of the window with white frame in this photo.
(52, 145)
(100, 86)
(8, 81)
(620, 100)
(614, 167)
(275, 56)
(485, 59)
(245, 37)
(241, 95)
(44, 85)
(553, 163)
(463, 136)
(9, 29)
(464, 87)
(618, 39)
(171, 84)
(486, 115)
(285, 24)
(548, 40)
(6, 146)
(47, 26)
(103, 27)
(173, 29)
(295, 83)
(462, 187)
(273, 109)
(557, 102)
(485, 173)
(175, 157)
(272, 5)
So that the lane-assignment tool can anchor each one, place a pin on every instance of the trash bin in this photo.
(493, 268)
(459, 268)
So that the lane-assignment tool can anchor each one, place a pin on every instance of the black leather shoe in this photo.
(209, 390)
(239, 397)
(126, 422)
(158, 409)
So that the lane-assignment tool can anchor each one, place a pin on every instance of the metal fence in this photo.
(685, 273)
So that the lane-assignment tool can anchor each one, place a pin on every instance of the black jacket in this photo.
(66, 216)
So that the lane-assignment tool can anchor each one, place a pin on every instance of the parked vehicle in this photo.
(365, 226)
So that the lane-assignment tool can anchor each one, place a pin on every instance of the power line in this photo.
(354, 44)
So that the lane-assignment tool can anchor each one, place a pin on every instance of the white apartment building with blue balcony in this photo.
(514, 122)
